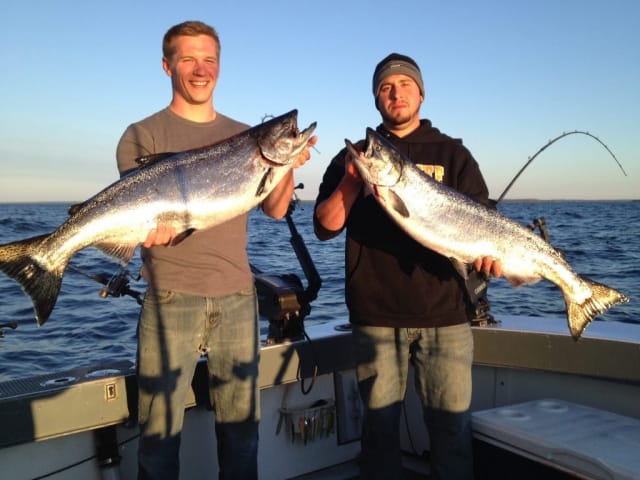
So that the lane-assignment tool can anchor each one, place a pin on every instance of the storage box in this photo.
(561, 437)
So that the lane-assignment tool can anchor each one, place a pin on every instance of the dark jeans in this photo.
(442, 359)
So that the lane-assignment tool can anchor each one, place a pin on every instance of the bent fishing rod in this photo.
(548, 144)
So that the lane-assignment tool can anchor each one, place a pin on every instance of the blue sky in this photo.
(505, 76)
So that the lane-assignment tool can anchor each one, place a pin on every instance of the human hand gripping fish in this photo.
(466, 232)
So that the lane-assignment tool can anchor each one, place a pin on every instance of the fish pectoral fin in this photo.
(263, 182)
(123, 252)
(397, 204)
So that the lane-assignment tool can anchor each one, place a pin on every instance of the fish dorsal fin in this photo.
(397, 203)
(73, 209)
(148, 160)
(122, 252)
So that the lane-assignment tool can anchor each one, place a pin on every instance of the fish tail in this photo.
(41, 284)
(579, 315)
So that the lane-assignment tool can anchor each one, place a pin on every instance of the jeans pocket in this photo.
(159, 297)
(247, 292)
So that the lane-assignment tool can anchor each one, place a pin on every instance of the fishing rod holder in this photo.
(282, 299)
(541, 225)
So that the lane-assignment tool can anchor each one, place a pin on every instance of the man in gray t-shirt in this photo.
(200, 295)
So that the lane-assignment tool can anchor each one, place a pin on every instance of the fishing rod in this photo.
(551, 142)
(540, 223)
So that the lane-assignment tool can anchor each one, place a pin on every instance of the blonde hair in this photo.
(190, 28)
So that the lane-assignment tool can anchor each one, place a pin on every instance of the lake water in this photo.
(601, 240)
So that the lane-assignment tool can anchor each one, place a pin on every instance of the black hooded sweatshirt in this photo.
(390, 279)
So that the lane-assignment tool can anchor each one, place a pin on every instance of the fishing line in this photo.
(551, 142)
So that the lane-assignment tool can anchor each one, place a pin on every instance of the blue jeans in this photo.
(174, 331)
(442, 359)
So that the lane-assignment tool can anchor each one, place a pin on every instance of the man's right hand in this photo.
(351, 172)
(161, 235)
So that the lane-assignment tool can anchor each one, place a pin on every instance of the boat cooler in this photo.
(554, 439)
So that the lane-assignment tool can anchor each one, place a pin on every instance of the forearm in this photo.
(276, 204)
(332, 213)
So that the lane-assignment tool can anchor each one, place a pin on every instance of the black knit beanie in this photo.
(394, 64)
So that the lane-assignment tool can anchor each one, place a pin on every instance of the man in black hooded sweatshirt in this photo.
(406, 302)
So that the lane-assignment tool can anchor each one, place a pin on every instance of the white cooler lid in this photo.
(580, 439)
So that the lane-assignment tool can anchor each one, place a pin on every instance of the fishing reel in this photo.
(118, 285)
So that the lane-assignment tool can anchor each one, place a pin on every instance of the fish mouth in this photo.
(371, 162)
(283, 141)
(361, 160)
(300, 138)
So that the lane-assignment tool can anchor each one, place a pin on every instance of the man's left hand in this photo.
(489, 266)
(305, 154)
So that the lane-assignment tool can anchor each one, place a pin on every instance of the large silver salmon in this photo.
(189, 191)
(463, 230)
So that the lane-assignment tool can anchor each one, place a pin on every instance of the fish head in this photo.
(379, 163)
(280, 141)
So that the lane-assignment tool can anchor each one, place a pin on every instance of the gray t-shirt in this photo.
(212, 262)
